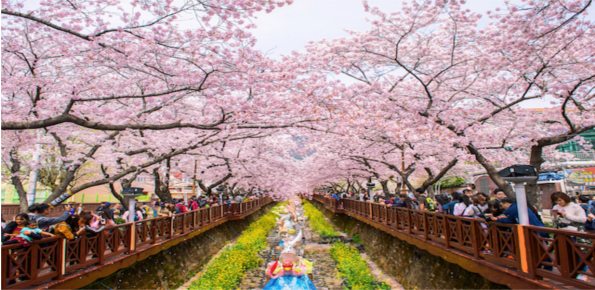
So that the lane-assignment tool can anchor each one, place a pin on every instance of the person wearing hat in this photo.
(165, 209)
(107, 214)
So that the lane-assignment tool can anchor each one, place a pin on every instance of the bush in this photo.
(353, 268)
(227, 270)
(452, 181)
(317, 221)
(119, 221)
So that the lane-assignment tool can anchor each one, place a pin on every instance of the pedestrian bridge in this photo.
(69, 264)
(512, 255)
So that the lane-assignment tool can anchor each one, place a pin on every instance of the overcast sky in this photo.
(290, 27)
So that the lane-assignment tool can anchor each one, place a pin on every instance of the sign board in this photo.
(580, 176)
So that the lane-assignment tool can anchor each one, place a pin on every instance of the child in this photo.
(14, 227)
(23, 238)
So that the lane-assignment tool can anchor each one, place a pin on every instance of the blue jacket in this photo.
(512, 217)
(449, 207)
(335, 196)
(44, 222)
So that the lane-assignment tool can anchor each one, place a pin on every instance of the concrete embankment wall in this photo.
(411, 267)
(172, 267)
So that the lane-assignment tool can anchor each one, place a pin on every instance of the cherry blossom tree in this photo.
(432, 65)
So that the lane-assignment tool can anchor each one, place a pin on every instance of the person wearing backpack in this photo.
(460, 206)
(426, 203)
(202, 202)
(193, 204)
(589, 225)
(181, 207)
(472, 209)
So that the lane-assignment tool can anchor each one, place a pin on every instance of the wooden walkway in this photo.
(512, 255)
(71, 264)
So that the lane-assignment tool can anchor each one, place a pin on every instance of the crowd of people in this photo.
(567, 213)
(76, 220)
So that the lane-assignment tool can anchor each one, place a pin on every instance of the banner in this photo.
(580, 176)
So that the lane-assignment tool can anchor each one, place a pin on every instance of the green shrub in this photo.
(357, 239)
(227, 270)
(317, 221)
(353, 268)
(119, 221)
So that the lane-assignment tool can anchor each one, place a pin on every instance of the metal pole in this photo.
(521, 201)
(403, 189)
(131, 211)
(194, 180)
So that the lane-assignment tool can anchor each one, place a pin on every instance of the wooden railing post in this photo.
(446, 232)
(153, 230)
(183, 223)
(101, 241)
(34, 250)
(171, 226)
(5, 267)
(61, 258)
(82, 248)
(132, 237)
(409, 216)
(521, 253)
(425, 225)
(494, 239)
(386, 215)
(529, 247)
(563, 257)
(475, 239)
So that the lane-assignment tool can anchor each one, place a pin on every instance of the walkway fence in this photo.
(552, 256)
(55, 258)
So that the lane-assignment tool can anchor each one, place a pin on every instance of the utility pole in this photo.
(403, 189)
(194, 180)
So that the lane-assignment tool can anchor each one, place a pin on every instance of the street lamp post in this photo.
(130, 194)
(194, 180)
(519, 175)
(370, 186)
(220, 191)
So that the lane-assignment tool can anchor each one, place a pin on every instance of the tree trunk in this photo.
(359, 185)
(431, 192)
(161, 190)
(384, 184)
(16, 182)
(531, 188)
(492, 172)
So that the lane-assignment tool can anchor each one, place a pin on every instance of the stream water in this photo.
(312, 248)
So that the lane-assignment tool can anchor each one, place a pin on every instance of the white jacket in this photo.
(574, 213)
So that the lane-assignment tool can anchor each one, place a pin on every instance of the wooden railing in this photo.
(53, 258)
(536, 253)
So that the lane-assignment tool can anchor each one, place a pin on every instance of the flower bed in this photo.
(227, 270)
(353, 269)
(317, 221)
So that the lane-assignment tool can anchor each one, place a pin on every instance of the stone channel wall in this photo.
(172, 267)
(410, 266)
